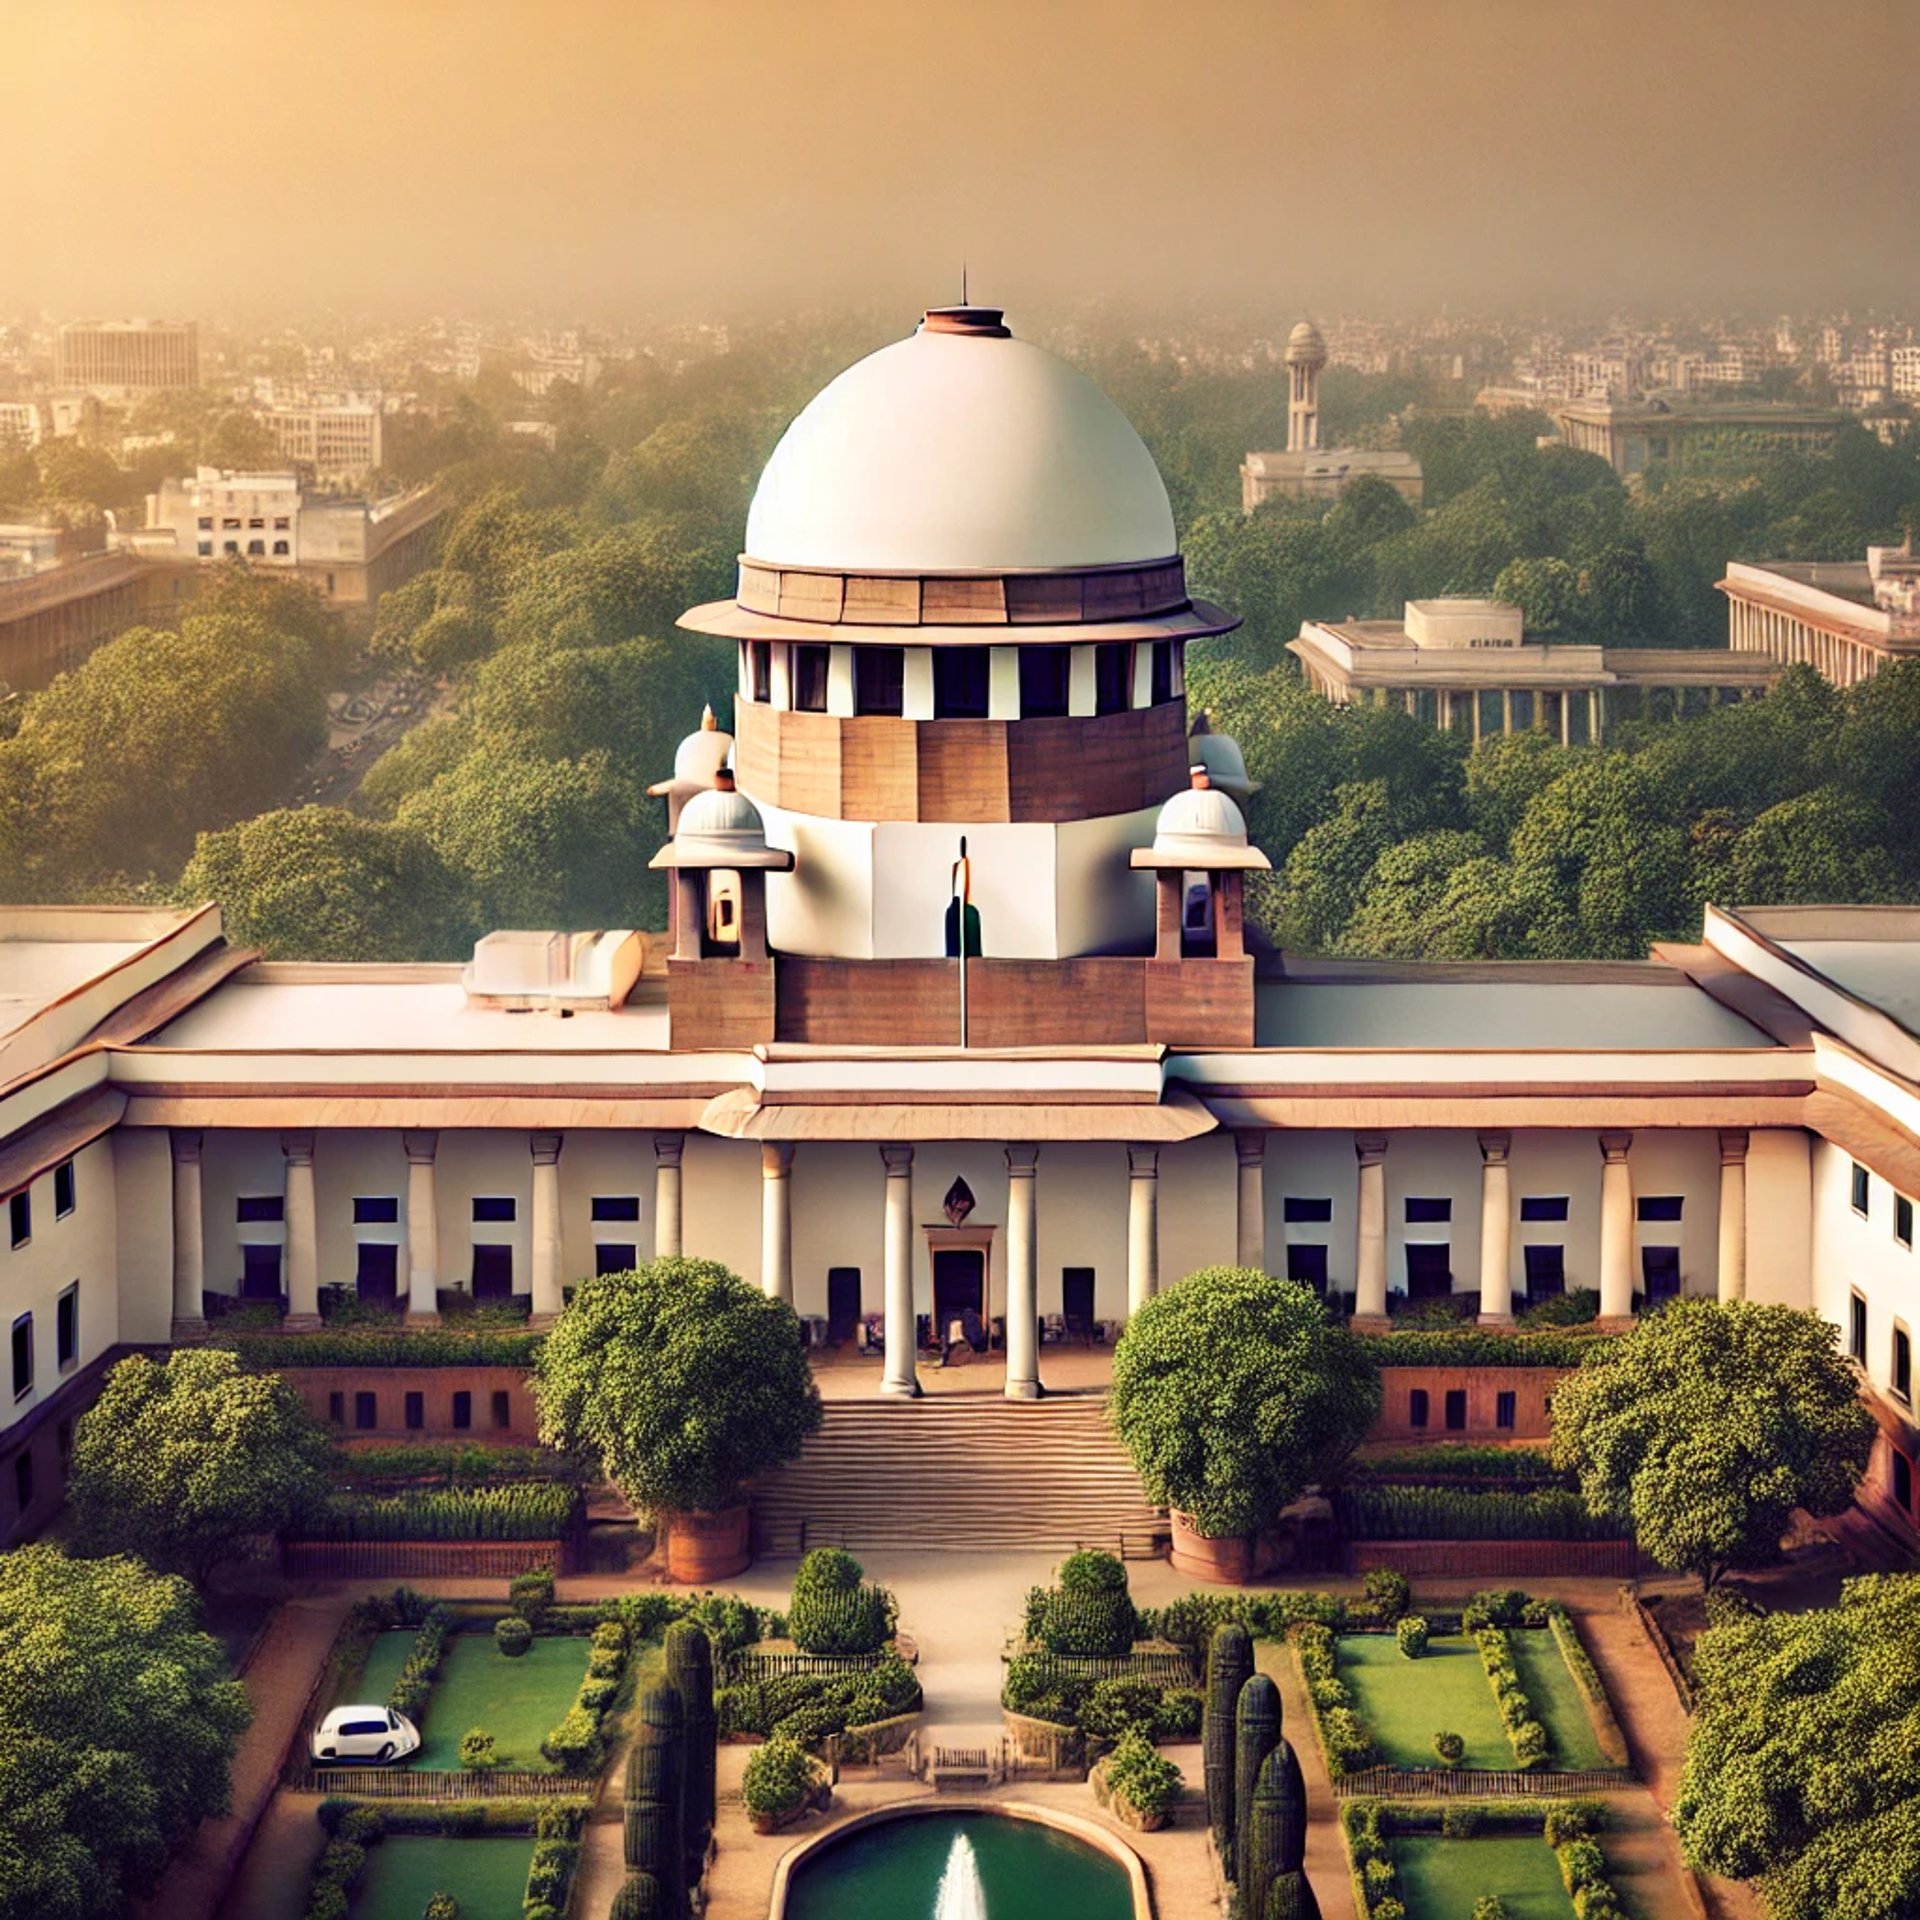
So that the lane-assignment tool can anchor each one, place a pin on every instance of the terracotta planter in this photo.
(1227, 1562)
(1133, 1817)
(705, 1547)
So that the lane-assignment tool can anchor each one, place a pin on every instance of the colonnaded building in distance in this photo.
(1030, 1100)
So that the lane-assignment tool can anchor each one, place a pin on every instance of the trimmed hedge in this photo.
(342, 1814)
(452, 1464)
(1525, 1733)
(1478, 1347)
(1586, 1677)
(414, 1686)
(1454, 1513)
(809, 1706)
(428, 1347)
(521, 1510)
(1567, 1826)
(1458, 1460)
(1344, 1738)
(1101, 1709)
(834, 1611)
(578, 1743)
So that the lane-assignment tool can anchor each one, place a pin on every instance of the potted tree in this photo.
(683, 1382)
(1234, 1392)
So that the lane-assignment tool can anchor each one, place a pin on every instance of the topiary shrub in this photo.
(1256, 1732)
(1582, 1864)
(1451, 1748)
(1491, 1907)
(1229, 1667)
(575, 1745)
(1389, 1590)
(1138, 1774)
(689, 1661)
(778, 1780)
(1091, 1571)
(1569, 1820)
(1411, 1633)
(530, 1595)
(638, 1899)
(440, 1906)
(512, 1635)
(477, 1750)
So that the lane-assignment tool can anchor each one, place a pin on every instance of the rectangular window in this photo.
(615, 1256)
(22, 1355)
(1543, 1206)
(376, 1210)
(366, 1411)
(1862, 1189)
(63, 1189)
(1303, 1210)
(1658, 1206)
(1902, 1362)
(462, 1411)
(879, 679)
(961, 678)
(1902, 1481)
(1428, 1212)
(66, 1327)
(1162, 689)
(1456, 1409)
(337, 1409)
(20, 1217)
(1308, 1265)
(1660, 1272)
(416, 1410)
(502, 1408)
(1417, 1407)
(1046, 674)
(1505, 1406)
(23, 1478)
(260, 1206)
(809, 679)
(616, 1206)
(760, 670)
(1112, 676)
(495, 1206)
(1546, 1269)
(1857, 1328)
(1902, 1220)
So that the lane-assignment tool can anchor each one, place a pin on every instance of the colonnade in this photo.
(1754, 627)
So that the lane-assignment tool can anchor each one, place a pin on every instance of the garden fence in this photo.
(1474, 1783)
(398, 1783)
(1157, 1666)
(750, 1663)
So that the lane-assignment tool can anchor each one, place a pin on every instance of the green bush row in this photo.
(1101, 1709)
(857, 1620)
(1456, 1460)
(1478, 1347)
(560, 1818)
(1568, 1826)
(413, 1686)
(1344, 1738)
(353, 1827)
(731, 1624)
(1586, 1676)
(809, 1706)
(577, 1743)
(521, 1510)
(1190, 1620)
(393, 1347)
(454, 1465)
(1457, 1513)
(1525, 1733)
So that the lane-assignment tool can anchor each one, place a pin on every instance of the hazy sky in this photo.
(703, 155)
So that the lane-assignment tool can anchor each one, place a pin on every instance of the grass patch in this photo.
(385, 1658)
(517, 1701)
(1556, 1700)
(1406, 1702)
(487, 1875)
(1441, 1879)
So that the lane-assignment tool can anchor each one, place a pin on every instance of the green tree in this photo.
(1708, 1425)
(1803, 1756)
(680, 1380)
(1233, 1391)
(118, 1720)
(415, 761)
(636, 579)
(184, 1461)
(1547, 592)
(1504, 773)
(1411, 906)
(319, 883)
(1326, 875)
(1823, 846)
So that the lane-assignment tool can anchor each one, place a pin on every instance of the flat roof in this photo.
(36, 973)
(1883, 973)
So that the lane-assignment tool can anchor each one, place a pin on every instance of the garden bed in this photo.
(518, 1701)
(1440, 1879)
(487, 1875)
(1406, 1702)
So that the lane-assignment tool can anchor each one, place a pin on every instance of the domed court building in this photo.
(955, 1025)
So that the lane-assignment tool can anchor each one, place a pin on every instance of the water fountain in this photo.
(961, 1895)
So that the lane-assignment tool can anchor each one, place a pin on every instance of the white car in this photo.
(365, 1733)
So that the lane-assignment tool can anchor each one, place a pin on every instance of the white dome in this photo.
(701, 755)
(951, 451)
(1199, 814)
(725, 816)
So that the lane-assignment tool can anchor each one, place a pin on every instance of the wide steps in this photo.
(966, 1473)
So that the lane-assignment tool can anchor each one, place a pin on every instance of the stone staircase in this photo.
(966, 1472)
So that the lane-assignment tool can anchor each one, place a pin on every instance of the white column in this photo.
(544, 1228)
(776, 1220)
(899, 1376)
(1023, 1292)
(1733, 1214)
(423, 1229)
(1143, 1226)
(1496, 1228)
(1370, 1294)
(1616, 1227)
(189, 1237)
(1250, 1197)
(667, 1229)
(303, 1232)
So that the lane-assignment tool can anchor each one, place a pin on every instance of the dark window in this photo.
(1456, 1409)
(376, 1271)
(366, 1410)
(809, 690)
(260, 1206)
(1902, 1361)
(20, 1218)
(257, 547)
(1417, 1407)
(1659, 1206)
(66, 1327)
(616, 1206)
(1543, 1206)
(1046, 674)
(1902, 1220)
(1660, 1272)
(22, 1355)
(961, 676)
(23, 1478)
(1504, 1408)
(376, 1210)
(495, 1207)
(879, 679)
(1546, 1270)
(1862, 1187)
(205, 524)
(1308, 1265)
(1112, 676)
(1076, 1300)
(1427, 1212)
(1857, 1328)
(416, 1410)
(259, 1271)
(1302, 1211)
(615, 1256)
(63, 1189)
(843, 1303)
(1162, 671)
(1429, 1269)
(282, 547)
(205, 549)
(462, 1410)
(492, 1271)
(760, 670)
(502, 1408)
(337, 1409)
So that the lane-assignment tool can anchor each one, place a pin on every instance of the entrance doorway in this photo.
(259, 1271)
(492, 1272)
(1429, 1269)
(843, 1304)
(959, 1286)
(377, 1276)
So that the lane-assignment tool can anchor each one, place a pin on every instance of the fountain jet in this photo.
(961, 1896)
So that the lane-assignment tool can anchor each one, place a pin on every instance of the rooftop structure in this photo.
(1632, 435)
(128, 356)
(1845, 618)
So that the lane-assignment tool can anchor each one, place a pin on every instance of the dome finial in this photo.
(708, 724)
(1201, 778)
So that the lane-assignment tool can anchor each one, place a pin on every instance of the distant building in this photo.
(1631, 435)
(1846, 618)
(353, 550)
(54, 615)
(128, 356)
(1306, 470)
(26, 423)
(1467, 666)
(343, 442)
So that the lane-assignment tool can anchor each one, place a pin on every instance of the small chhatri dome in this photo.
(698, 759)
(960, 449)
(1306, 347)
(720, 827)
(1200, 828)
(1220, 754)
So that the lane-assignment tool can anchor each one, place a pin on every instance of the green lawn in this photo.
(1441, 1879)
(1406, 1702)
(1556, 1700)
(517, 1701)
(487, 1875)
(385, 1658)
